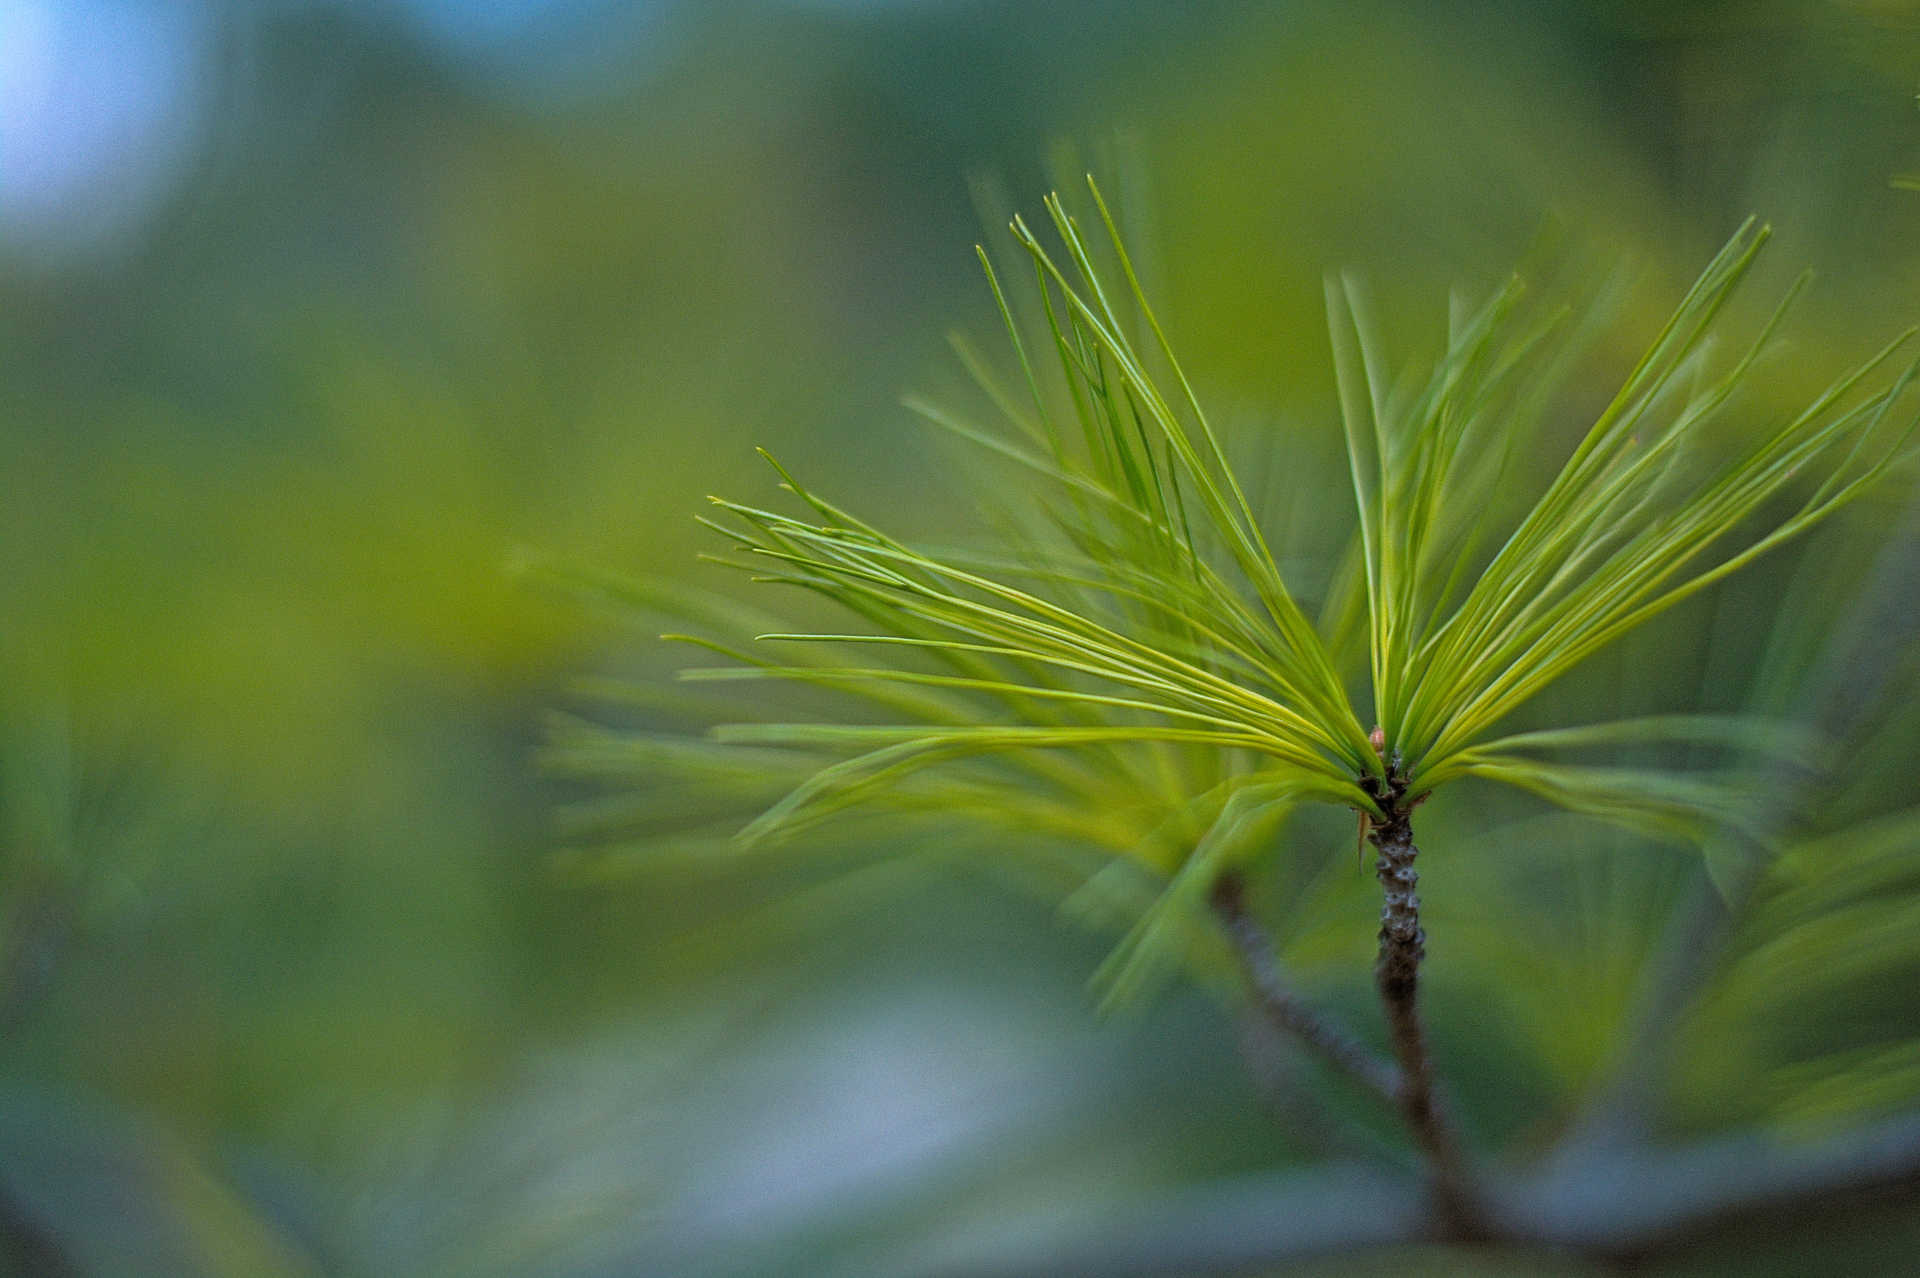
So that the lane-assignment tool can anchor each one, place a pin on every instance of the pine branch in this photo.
(1285, 1009)
(1397, 974)
(1621, 1207)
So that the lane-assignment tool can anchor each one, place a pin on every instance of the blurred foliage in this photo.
(283, 941)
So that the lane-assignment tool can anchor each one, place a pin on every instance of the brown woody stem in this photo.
(1284, 1009)
(1397, 974)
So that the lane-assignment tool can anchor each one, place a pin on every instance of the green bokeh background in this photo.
(296, 986)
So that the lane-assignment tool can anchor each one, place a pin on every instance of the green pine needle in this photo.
(1140, 677)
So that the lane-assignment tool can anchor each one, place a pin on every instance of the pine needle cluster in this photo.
(1134, 676)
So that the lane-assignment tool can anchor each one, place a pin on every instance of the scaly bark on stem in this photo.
(1397, 974)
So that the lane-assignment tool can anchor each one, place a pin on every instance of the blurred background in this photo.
(318, 316)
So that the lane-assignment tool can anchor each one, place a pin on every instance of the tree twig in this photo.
(1397, 974)
(1614, 1205)
(1285, 1009)
(1286, 1077)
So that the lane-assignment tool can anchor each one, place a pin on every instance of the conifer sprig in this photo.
(1143, 650)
